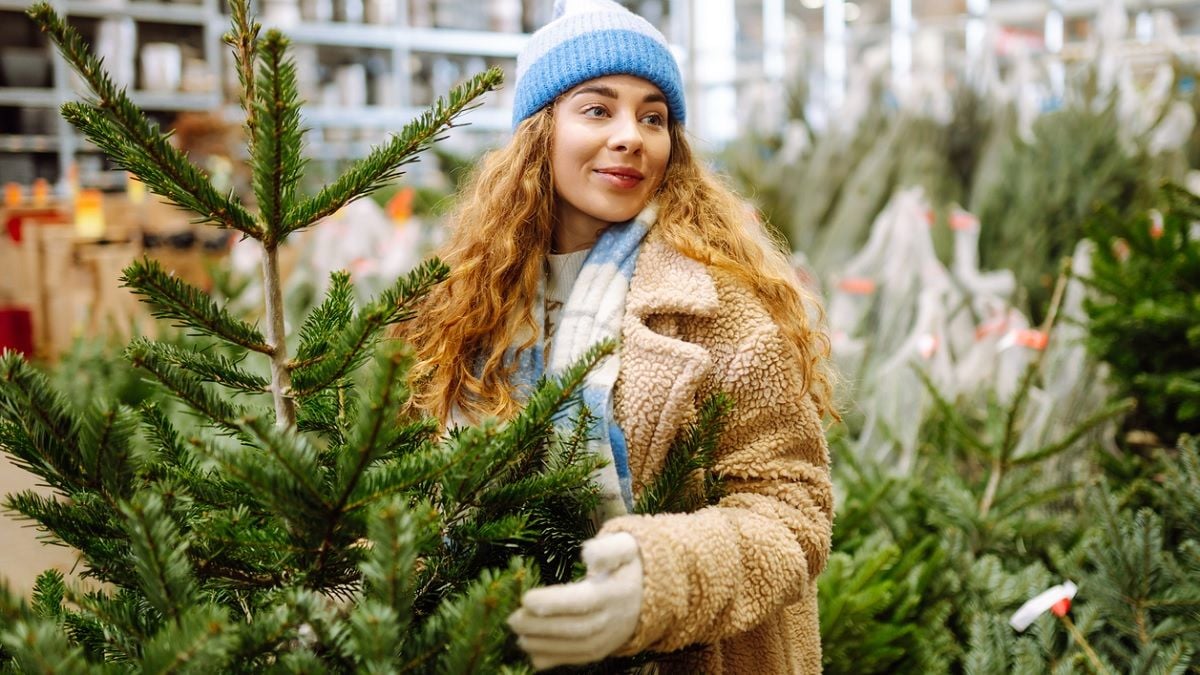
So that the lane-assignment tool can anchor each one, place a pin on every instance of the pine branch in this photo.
(243, 38)
(173, 299)
(174, 459)
(674, 490)
(327, 319)
(38, 646)
(163, 435)
(368, 441)
(383, 164)
(398, 533)
(186, 387)
(1109, 412)
(40, 431)
(376, 428)
(200, 641)
(127, 616)
(209, 367)
(490, 454)
(952, 415)
(289, 484)
(398, 476)
(107, 443)
(467, 628)
(159, 555)
(349, 348)
(85, 523)
(374, 634)
(514, 494)
(275, 159)
(144, 151)
(48, 593)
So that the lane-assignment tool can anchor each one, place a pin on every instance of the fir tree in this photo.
(328, 529)
(927, 568)
(1145, 311)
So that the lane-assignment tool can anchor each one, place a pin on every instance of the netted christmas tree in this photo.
(288, 512)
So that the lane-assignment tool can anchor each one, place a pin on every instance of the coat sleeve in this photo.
(712, 574)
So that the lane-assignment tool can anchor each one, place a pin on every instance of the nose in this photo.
(626, 135)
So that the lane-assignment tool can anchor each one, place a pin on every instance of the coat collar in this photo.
(661, 370)
(668, 282)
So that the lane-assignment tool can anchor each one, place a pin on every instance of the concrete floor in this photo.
(22, 556)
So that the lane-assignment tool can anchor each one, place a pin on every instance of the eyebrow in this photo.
(609, 92)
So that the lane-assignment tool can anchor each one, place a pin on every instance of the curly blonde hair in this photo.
(496, 251)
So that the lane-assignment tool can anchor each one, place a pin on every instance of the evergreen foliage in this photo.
(341, 533)
(1145, 312)
(1046, 187)
(927, 568)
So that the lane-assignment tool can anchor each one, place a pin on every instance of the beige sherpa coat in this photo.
(739, 577)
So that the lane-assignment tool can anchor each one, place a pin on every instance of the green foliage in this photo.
(223, 538)
(187, 306)
(687, 482)
(276, 145)
(927, 568)
(1145, 312)
(119, 128)
(1047, 187)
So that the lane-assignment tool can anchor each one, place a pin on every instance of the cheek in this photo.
(566, 158)
(662, 159)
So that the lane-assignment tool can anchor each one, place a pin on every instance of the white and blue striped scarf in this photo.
(593, 312)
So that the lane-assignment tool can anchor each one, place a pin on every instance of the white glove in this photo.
(585, 621)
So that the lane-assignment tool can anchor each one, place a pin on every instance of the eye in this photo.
(596, 111)
(655, 119)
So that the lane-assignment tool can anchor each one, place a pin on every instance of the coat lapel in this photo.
(660, 370)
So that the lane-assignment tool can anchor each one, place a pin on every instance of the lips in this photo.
(623, 177)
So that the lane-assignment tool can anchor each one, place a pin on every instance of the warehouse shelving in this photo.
(400, 46)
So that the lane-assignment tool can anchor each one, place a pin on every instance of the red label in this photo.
(857, 285)
(962, 220)
(1034, 339)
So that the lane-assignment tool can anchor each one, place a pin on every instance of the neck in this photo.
(574, 230)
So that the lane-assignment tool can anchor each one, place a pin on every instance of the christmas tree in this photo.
(1145, 313)
(293, 515)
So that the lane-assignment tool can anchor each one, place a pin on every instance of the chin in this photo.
(620, 215)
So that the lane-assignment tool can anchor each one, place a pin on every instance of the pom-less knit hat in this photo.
(589, 39)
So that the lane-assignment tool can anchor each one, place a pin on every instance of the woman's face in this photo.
(610, 150)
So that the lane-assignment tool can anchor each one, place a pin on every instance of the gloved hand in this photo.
(585, 621)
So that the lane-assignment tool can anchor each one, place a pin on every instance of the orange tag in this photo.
(1156, 225)
(12, 195)
(857, 285)
(399, 207)
(963, 220)
(992, 326)
(1061, 607)
(1033, 339)
(41, 192)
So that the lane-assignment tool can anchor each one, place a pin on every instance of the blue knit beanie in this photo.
(589, 39)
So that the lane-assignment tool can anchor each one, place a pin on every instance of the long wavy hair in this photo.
(496, 252)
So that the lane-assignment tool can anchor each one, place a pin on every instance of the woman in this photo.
(596, 221)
